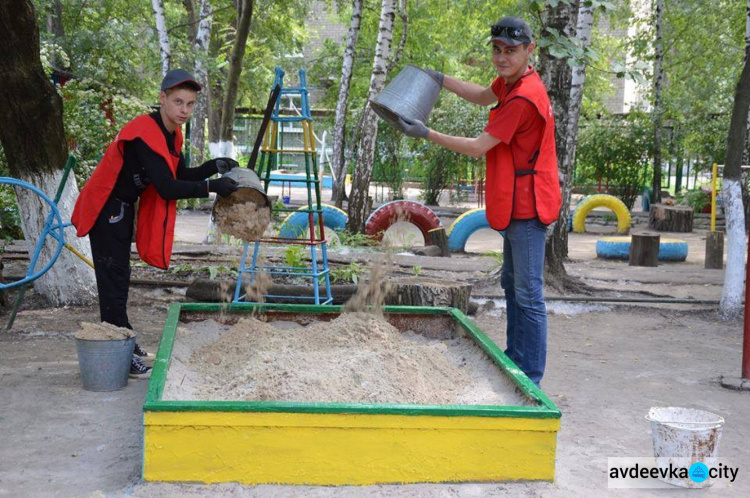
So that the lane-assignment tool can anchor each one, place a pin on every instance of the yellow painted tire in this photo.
(601, 200)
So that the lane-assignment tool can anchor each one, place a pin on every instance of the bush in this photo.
(440, 166)
(616, 152)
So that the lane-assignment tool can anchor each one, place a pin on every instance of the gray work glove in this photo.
(413, 128)
(224, 164)
(222, 186)
(439, 77)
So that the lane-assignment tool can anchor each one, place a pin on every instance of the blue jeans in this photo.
(522, 278)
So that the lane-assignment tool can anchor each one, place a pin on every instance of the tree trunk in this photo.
(670, 218)
(557, 76)
(192, 21)
(339, 120)
(226, 146)
(731, 295)
(200, 47)
(358, 205)
(33, 139)
(658, 91)
(161, 31)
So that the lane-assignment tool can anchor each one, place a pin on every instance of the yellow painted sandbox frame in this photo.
(345, 444)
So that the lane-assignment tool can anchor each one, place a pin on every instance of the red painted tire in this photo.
(392, 212)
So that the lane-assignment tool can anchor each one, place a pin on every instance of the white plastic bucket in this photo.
(683, 436)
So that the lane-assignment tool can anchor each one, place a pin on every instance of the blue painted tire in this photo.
(619, 248)
(464, 226)
(298, 223)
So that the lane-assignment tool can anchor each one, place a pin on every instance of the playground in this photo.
(608, 363)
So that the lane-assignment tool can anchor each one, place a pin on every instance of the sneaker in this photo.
(142, 354)
(138, 370)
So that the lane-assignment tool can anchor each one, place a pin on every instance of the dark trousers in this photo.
(110, 247)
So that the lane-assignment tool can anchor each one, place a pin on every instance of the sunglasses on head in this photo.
(508, 31)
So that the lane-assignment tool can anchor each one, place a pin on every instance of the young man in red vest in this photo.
(143, 164)
(523, 189)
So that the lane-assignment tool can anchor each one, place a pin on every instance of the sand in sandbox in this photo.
(103, 332)
(243, 214)
(355, 358)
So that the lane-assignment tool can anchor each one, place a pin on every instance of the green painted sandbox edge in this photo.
(546, 408)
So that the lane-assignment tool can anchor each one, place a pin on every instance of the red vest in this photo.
(156, 216)
(501, 172)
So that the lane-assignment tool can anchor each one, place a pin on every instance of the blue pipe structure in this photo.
(53, 227)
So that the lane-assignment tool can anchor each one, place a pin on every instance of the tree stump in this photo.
(644, 249)
(428, 292)
(440, 239)
(714, 250)
(665, 218)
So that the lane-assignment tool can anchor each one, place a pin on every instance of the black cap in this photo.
(177, 77)
(511, 31)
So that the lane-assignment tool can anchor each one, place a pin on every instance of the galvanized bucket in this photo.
(412, 94)
(104, 365)
(251, 188)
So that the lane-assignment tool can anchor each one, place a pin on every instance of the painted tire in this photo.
(464, 226)
(391, 212)
(619, 248)
(298, 222)
(601, 200)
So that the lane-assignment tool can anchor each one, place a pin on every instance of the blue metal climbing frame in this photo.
(272, 148)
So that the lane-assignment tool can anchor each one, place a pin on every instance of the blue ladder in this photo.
(271, 149)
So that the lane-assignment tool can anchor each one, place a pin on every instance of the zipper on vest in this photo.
(164, 237)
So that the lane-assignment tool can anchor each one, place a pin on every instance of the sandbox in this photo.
(504, 428)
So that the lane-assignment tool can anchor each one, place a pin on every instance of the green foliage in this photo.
(416, 269)
(497, 258)
(349, 273)
(389, 161)
(615, 152)
(696, 199)
(294, 256)
(439, 166)
(92, 117)
(10, 221)
(349, 239)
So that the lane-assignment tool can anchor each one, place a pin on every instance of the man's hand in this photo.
(439, 77)
(224, 164)
(413, 128)
(222, 186)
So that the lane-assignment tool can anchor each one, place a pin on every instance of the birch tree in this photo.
(358, 201)
(245, 15)
(161, 31)
(658, 110)
(342, 105)
(200, 46)
(32, 136)
(559, 25)
(730, 306)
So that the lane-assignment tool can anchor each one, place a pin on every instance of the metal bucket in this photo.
(682, 437)
(412, 94)
(251, 188)
(105, 365)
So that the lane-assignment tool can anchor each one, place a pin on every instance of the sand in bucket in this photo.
(684, 437)
(246, 213)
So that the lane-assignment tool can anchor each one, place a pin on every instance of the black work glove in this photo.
(439, 77)
(222, 186)
(224, 164)
(413, 128)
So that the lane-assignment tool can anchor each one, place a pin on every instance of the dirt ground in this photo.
(607, 365)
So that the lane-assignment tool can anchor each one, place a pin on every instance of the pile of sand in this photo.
(243, 214)
(355, 358)
(103, 332)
